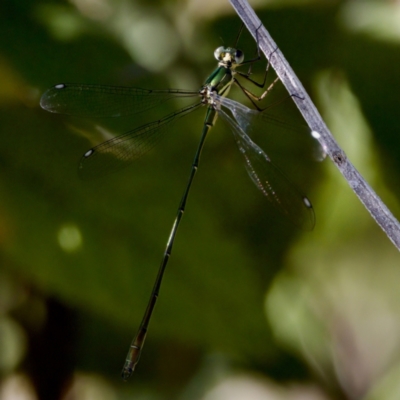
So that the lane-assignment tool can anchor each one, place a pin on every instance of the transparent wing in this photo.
(105, 101)
(250, 120)
(118, 152)
(281, 193)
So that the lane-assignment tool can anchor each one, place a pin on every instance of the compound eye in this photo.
(218, 52)
(239, 56)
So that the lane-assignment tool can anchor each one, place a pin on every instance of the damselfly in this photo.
(100, 101)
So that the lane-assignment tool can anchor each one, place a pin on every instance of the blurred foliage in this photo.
(79, 258)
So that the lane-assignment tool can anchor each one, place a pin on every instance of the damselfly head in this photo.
(229, 55)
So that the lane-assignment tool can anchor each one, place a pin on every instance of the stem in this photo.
(368, 197)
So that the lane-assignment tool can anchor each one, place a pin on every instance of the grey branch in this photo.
(368, 197)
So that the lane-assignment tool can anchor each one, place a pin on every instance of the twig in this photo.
(368, 197)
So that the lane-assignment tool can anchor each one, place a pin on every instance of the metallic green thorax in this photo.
(221, 79)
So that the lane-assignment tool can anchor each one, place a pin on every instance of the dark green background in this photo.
(78, 310)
